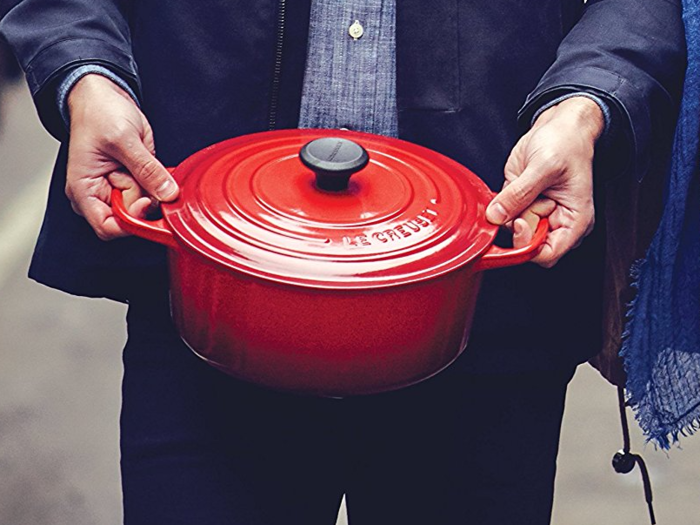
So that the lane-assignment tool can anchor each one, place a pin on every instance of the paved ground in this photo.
(59, 390)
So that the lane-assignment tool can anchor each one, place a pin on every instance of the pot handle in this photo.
(156, 231)
(497, 257)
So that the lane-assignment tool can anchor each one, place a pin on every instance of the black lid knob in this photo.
(334, 160)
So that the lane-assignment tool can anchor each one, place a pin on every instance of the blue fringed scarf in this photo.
(661, 347)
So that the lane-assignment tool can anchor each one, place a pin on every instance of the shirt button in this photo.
(356, 30)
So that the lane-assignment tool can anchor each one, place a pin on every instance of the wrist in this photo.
(582, 113)
(89, 88)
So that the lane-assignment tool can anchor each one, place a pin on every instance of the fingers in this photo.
(101, 219)
(150, 174)
(566, 233)
(98, 215)
(517, 195)
(522, 233)
(91, 199)
(524, 226)
(141, 207)
(567, 229)
(542, 207)
(557, 244)
(131, 193)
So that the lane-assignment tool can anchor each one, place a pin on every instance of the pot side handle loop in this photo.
(497, 257)
(156, 231)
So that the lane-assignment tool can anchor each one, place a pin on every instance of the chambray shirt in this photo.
(350, 76)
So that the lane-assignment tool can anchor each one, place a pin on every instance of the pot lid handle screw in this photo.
(334, 161)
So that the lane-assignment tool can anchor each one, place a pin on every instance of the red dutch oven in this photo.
(326, 262)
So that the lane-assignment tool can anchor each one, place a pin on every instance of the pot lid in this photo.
(376, 212)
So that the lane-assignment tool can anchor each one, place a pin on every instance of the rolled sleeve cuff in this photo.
(71, 78)
(48, 67)
(604, 108)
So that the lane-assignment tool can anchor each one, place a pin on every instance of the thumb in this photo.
(516, 197)
(148, 171)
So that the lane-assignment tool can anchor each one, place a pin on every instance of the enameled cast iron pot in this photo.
(350, 266)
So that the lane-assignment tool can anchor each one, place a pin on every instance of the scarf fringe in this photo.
(667, 436)
(634, 369)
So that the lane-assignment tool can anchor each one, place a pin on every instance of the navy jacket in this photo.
(205, 71)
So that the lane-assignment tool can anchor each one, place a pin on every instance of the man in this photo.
(477, 444)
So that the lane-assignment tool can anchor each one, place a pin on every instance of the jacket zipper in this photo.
(277, 71)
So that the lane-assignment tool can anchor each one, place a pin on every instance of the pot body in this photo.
(293, 270)
(332, 343)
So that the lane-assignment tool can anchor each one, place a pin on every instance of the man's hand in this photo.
(550, 174)
(111, 145)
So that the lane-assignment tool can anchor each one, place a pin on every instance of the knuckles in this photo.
(148, 174)
(549, 263)
(103, 235)
(68, 190)
(591, 226)
(107, 233)
(522, 194)
(552, 161)
(116, 136)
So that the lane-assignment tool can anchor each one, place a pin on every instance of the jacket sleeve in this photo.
(631, 53)
(49, 37)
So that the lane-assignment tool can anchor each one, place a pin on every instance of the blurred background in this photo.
(60, 372)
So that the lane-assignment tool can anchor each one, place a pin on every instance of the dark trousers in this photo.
(201, 448)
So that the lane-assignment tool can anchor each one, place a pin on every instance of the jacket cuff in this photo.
(70, 78)
(48, 67)
(623, 99)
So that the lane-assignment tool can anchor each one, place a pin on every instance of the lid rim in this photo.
(288, 236)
